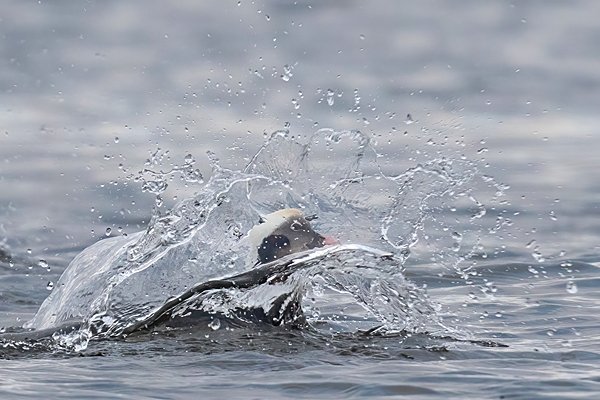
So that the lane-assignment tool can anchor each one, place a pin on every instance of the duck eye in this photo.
(295, 226)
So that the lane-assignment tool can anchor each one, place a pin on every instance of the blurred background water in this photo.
(89, 90)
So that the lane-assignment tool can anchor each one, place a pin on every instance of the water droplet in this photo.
(553, 216)
(287, 73)
(532, 270)
(43, 263)
(116, 139)
(108, 231)
(154, 186)
(409, 120)
(330, 97)
(189, 159)
(362, 37)
(538, 256)
(28, 251)
(356, 98)
(215, 324)
(50, 285)
(572, 287)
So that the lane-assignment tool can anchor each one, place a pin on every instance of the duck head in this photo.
(284, 232)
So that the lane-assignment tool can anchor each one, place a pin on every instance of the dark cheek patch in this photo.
(273, 247)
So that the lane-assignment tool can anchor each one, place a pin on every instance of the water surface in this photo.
(91, 90)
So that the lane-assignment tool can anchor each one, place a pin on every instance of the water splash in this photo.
(124, 283)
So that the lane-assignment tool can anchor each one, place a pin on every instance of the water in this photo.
(478, 176)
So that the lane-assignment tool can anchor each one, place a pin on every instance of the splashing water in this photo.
(197, 256)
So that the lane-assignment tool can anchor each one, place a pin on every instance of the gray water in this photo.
(91, 90)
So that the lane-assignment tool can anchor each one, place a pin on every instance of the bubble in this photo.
(572, 287)
(215, 324)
